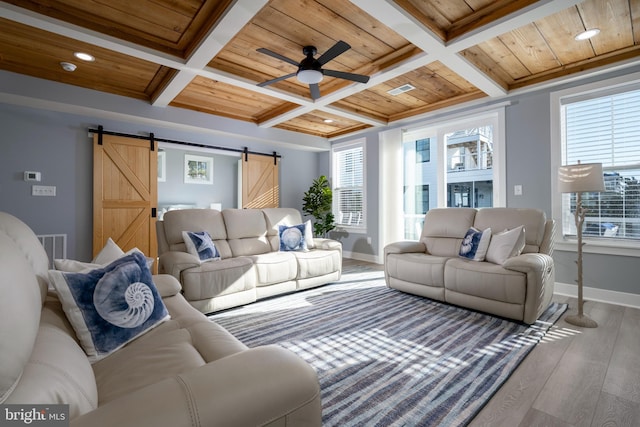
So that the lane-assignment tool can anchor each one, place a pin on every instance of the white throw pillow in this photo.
(109, 253)
(308, 234)
(505, 245)
(475, 244)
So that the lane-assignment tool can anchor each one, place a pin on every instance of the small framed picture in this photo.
(162, 166)
(198, 169)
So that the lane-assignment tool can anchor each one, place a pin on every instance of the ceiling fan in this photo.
(310, 69)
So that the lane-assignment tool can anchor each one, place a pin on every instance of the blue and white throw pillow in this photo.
(475, 244)
(110, 306)
(292, 238)
(199, 244)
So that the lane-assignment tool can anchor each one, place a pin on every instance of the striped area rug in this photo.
(386, 358)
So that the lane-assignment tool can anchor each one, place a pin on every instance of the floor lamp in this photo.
(580, 178)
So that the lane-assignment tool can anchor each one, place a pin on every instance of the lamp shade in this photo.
(583, 177)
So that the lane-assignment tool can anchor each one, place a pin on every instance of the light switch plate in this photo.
(43, 190)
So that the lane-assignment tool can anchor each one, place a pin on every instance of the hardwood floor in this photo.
(575, 377)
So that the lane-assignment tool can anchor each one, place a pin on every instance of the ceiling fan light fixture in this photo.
(309, 76)
(585, 35)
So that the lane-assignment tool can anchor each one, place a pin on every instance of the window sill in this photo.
(351, 229)
(597, 246)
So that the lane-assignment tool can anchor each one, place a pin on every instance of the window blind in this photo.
(349, 186)
(605, 129)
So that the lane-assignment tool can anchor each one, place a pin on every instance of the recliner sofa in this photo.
(520, 288)
(187, 371)
(252, 266)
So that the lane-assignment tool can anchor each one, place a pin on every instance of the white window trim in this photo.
(596, 246)
(340, 146)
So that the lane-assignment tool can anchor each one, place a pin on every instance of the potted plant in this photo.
(317, 202)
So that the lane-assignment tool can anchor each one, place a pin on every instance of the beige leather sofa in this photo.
(251, 265)
(521, 288)
(188, 371)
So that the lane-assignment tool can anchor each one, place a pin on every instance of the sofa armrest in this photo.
(251, 388)
(404, 247)
(167, 285)
(540, 272)
(330, 244)
(174, 262)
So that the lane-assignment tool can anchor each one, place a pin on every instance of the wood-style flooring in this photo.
(576, 376)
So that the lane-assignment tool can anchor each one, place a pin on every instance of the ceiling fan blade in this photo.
(337, 49)
(277, 56)
(315, 91)
(268, 82)
(347, 76)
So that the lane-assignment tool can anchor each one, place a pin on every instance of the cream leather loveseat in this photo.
(251, 265)
(187, 371)
(520, 288)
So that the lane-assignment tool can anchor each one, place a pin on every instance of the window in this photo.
(348, 184)
(462, 173)
(423, 150)
(604, 127)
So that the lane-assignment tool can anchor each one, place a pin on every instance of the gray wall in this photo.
(223, 190)
(57, 145)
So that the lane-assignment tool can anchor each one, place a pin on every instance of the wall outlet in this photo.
(368, 240)
(517, 190)
(43, 190)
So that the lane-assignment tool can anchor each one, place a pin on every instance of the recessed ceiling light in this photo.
(328, 121)
(84, 56)
(588, 34)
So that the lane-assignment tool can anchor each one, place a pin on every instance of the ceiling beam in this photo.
(52, 25)
(233, 20)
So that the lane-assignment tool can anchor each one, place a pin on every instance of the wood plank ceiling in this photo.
(201, 54)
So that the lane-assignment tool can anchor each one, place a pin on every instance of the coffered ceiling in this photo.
(202, 54)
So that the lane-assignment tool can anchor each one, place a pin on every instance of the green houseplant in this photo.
(317, 203)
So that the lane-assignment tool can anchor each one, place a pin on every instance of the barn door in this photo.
(260, 182)
(125, 193)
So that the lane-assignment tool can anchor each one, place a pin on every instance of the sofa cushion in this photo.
(317, 263)
(200, 245)
(58, 372)
(475, 244)
(275, 267)
(498, 219)
(417, 268)
(110, 306)
(485, 280)
(218, 278)
(292, 238)
(444, 229)
(20, 305)
(505, 245)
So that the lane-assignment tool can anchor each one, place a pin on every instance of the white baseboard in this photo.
(362, 257)
(600, 295)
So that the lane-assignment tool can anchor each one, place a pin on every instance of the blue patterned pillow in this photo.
(110, 306)
(199, 244)
(292, 238)
(475, 244)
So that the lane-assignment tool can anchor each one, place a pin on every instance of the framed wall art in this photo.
(198, 169)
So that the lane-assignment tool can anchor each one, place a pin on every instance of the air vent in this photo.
(402, 89)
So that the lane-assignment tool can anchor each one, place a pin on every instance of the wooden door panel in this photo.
(125, 193)
(260, 182)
